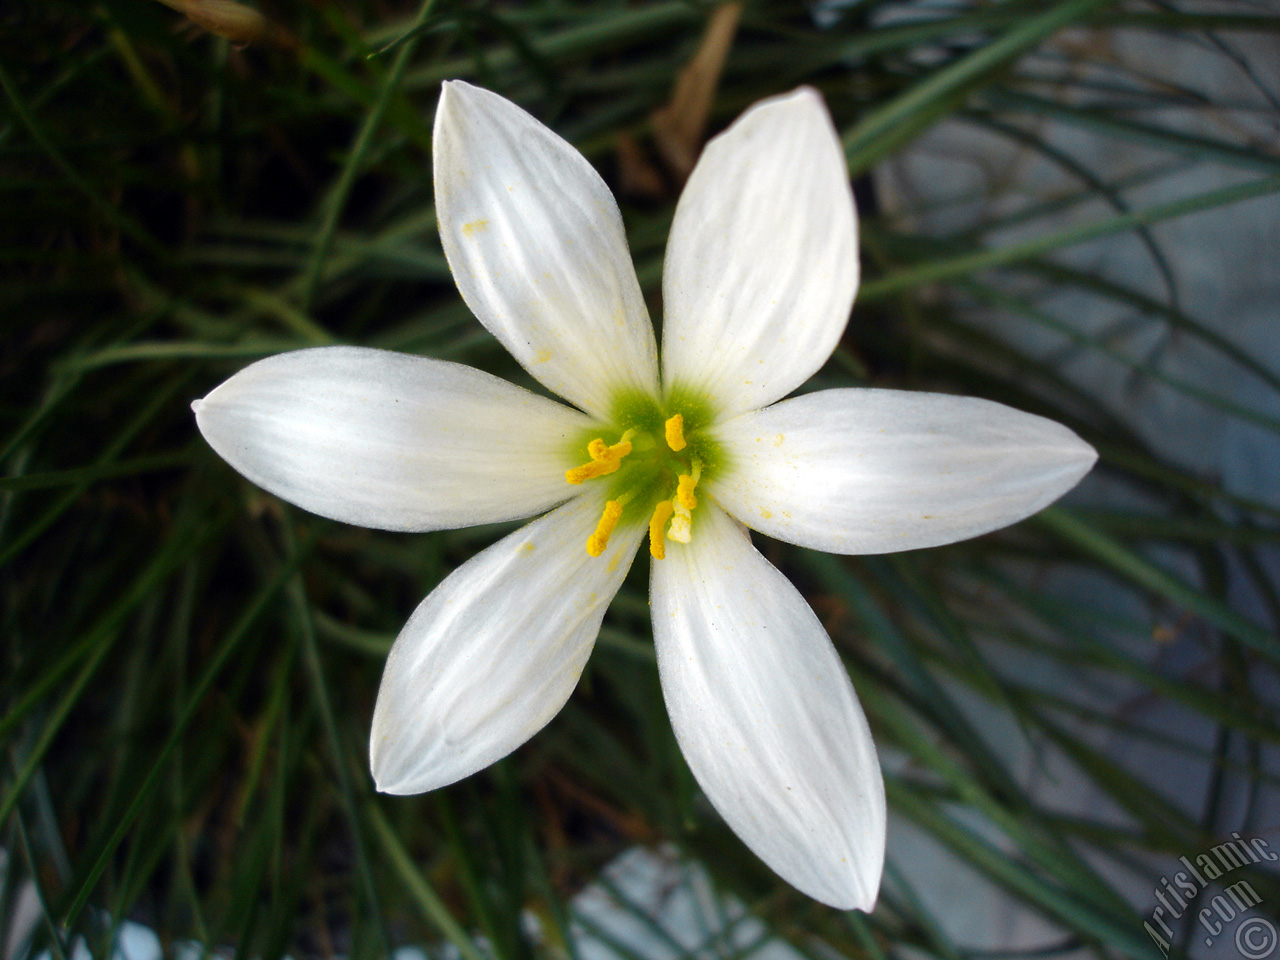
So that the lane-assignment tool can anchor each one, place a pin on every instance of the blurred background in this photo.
(1069, 207)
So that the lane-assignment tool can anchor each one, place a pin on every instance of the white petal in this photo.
(762, 263)
(874, 471)
(766, 716)
(495, 650)
(537, 248)
(389, 440)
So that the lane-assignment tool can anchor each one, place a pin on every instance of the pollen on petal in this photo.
(681, 529)
(657, 539)
(599, 541)
(675, 433)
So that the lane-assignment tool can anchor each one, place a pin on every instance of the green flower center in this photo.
(652, 457)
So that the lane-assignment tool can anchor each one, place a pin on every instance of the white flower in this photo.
(760, 274)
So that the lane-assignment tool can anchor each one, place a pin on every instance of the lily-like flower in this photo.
(760, 274)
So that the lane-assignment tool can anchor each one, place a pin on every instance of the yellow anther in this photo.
(605, 459)
(597, 449)
(686, 484)
(598, 541)
(657, 541)
(589, 471)
(675, 433)
(684, 491)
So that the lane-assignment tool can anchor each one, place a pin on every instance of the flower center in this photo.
(657, 472)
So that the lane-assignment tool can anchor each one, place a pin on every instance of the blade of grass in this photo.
(109, 211)
(104, 634)
(1146, 574)
(149, 463)
(953, 267)
(199, 690)
(335, 202)
(1097, 121)
(999, 866)
(878, 133)
(1022, 307)
(315, 670)
(428, 901)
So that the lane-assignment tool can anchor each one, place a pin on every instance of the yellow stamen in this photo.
(604, 459)
(675, 433)
(686, 484)
(684, 492)
(598, 541)
(589, 471)
(657, 542)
